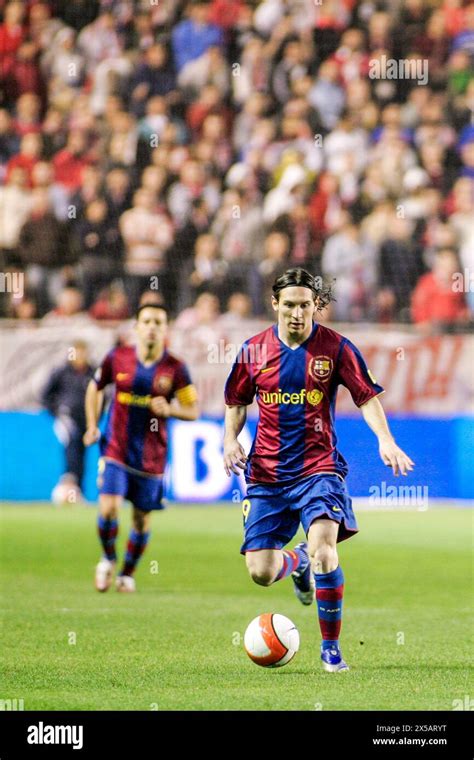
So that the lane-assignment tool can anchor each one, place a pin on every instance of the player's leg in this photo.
(269, 525)
(112, 483)
(107, 528)
(137, 541)
(264, 565)
(146, 495)
(329, 578)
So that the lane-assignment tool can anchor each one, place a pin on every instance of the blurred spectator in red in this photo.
(12, 36)
(30, 153)
(27, 114)
(111, 304)
(70, 162)
(436, 303)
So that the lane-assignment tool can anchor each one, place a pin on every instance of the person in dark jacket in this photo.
(63, 396)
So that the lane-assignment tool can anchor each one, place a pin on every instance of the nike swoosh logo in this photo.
(267, 369)
(336, 509)
(122, 375)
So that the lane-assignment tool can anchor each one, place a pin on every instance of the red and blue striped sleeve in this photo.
(104, 374)
(354, 374)
(240, 386)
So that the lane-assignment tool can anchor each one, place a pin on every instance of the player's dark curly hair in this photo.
(300, 277)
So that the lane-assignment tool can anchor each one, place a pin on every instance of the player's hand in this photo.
(235, 458)
(160, 406)
(92, 435)
(395, 458)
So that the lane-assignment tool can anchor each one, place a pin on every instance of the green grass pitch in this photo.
(177, 643)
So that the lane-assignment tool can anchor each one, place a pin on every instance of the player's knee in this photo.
(109, 509)
(261, 573)
(323, 558)
(262, 577)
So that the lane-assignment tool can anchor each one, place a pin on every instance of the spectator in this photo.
(275, 257)
(155, 76)
(27, 157)
(70, 162)
(345, 260)
(147, 235)
(401, 265)
(436, 303)
(15, 204)
(43, 251)
(192, 37)
(98, 260)
(12, 36)
(207, 270)
(192, 184)
(111, 305)
(69, 308)
(239, 310)
(211, 68)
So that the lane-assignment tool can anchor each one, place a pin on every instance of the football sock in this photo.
(136, 546)
(292, 559)
(108, 528)
(329, 593)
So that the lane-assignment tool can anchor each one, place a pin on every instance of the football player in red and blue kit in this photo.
(150, 386)
(294, 471)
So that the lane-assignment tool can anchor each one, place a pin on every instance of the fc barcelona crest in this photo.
(320, 367)
(164, 383)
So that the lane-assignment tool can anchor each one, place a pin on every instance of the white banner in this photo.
(425, 376)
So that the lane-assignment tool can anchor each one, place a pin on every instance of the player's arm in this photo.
(391, 454)
(184, 404)
(234, 455)
(239, 392)
(180, 410)
(94, 399)
(93, 408)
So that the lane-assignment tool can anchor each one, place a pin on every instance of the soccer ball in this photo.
(271, 640)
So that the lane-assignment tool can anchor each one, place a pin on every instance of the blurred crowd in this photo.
(193, 150)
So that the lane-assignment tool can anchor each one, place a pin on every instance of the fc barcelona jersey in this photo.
(296, 393)
(134, 437)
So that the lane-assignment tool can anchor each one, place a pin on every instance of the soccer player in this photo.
(151, 385)
(294, 471)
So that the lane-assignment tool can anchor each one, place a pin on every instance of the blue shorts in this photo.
(273, 512)
(144, 492)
